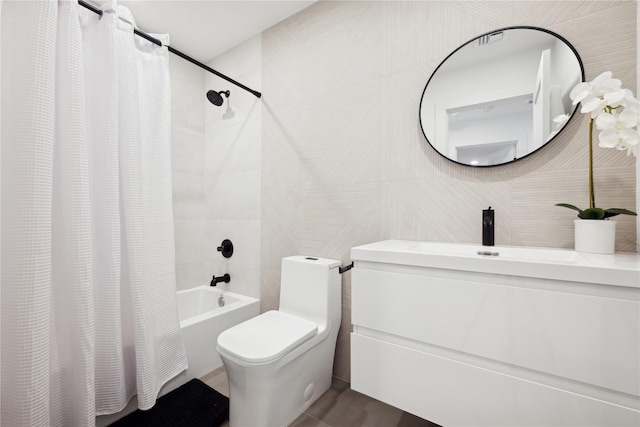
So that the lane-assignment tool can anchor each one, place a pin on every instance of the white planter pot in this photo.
(595, 236)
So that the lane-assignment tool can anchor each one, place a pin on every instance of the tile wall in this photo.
(187, 155)
(344, 161)
(232, 180)
(216, 170)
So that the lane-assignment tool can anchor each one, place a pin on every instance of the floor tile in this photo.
(410, 420)
(350, 408)
(217, 380)
(306, 420)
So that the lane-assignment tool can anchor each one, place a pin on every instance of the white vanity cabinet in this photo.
(527, 337)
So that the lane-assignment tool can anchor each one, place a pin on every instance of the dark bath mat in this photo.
(193, 404)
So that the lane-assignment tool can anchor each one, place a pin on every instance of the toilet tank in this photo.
(310, 288)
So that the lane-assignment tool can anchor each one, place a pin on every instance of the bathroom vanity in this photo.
(465, 335)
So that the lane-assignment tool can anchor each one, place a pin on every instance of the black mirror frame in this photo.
(517, 27)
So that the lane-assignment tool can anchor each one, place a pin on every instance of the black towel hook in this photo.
(345, 268)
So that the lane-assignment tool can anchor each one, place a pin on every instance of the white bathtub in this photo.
(201, 321)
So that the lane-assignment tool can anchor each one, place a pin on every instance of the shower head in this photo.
(216, 97)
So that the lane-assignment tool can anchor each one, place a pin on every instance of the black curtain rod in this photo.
(176, 51)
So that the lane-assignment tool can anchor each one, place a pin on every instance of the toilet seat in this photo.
(267, 337)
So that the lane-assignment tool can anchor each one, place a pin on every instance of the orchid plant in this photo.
(616, 113)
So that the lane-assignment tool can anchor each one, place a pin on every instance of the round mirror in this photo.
(500, 96)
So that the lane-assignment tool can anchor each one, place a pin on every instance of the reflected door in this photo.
(541, 98)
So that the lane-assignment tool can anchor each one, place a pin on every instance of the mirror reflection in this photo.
(494, 99)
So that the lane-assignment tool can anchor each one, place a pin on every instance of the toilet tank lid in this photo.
(331, 263)
(266, 337)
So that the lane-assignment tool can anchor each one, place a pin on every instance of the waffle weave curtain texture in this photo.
(88, 293)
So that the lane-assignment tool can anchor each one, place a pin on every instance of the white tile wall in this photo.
(191, 242)
(188, 194)
(233, 195)
(187, 82)
(187, 154)
(232, 177)
(216, 170)
(234, 148)
(187, 148)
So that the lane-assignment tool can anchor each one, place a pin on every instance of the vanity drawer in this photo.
(586, 338)
(452, 393)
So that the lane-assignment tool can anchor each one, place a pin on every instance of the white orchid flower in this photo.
(629, 99)
(593, 105)
(625, 119)
(632, 145)
(615, 98)
(595, 96)
(616, 113)
(620, 139)
(596, 104)
(560, 120)
(602, 84)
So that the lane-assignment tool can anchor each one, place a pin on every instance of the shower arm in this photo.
(176, 52)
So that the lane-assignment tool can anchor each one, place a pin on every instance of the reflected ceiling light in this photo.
(474, 162)
(488, 39)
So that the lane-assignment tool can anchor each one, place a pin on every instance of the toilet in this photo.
(281, 361)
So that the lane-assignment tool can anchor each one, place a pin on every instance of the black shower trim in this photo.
(226, 248)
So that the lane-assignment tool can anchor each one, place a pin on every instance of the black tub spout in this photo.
(224, 278)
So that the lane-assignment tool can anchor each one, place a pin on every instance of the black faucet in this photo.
(488, 227)
(224, 278)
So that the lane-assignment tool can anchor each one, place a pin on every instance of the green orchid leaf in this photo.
(597, 213)
(608, 214)
(618, 211)
(566, 205)
(592, 213)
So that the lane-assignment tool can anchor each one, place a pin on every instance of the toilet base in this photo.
(275, 395)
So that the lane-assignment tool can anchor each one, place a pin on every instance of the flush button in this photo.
(311, 258)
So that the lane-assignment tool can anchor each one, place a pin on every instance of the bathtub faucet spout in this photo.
(224, 278)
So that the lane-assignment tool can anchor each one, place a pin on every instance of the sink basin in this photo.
(513, 252)
(621, 269)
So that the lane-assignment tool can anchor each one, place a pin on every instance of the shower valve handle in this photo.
(226, 248)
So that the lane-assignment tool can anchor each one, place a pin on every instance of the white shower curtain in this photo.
(88, 303)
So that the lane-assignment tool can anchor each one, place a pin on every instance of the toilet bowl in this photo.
(281, 361)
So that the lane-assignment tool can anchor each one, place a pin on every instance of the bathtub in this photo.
(202, 319)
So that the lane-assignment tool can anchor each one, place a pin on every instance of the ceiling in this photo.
(203, 29)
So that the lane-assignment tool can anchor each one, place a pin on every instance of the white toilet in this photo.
(281, 361)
